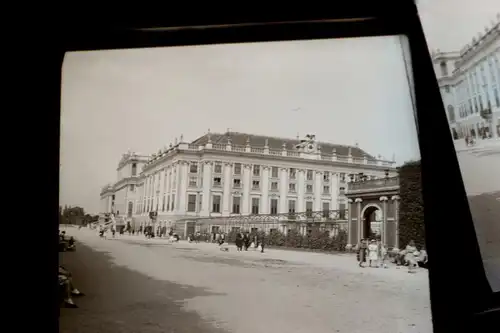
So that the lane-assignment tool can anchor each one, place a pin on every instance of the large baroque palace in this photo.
(469, 80)
(238, 174)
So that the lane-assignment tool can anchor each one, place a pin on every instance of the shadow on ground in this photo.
(121, 300)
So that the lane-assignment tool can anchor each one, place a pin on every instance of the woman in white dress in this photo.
(373, 253)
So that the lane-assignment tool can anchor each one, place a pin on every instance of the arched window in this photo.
(451, 114)
(134, 169)
(444, 68)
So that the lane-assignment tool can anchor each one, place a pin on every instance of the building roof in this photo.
(240, 139)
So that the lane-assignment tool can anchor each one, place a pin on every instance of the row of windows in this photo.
(256, 171)
(256, 185)
(195, 202)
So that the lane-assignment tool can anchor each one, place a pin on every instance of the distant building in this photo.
(469, 80)
(239, 174)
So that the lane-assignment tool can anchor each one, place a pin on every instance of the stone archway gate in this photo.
(382, 194)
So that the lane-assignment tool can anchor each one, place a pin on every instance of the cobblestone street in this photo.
(138, 285)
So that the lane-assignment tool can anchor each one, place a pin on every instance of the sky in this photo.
(344, 91)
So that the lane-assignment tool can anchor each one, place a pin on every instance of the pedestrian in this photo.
(362, 249)
(373, 253)
(262, 242)
(383, 255)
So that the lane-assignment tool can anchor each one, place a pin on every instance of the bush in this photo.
(316, 240)
(411, 209)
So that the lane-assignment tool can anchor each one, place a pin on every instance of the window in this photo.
(193, 181)
(326, 176)
(326, 189)
(191, 203)
(326, 209)
(217, 182)
(274, 172)
(309, 188)
(291, 187)
(488, 99)
(218, 168)
(132, 188)
(193, 167)
(447, 89)
(309, 208)
(309, 175)
(237, 183)
(255, 185)
(163, 204)
(255, 205)
(291, 209)
(256, 170)
(342, 177)
(342, 211)
(480, 103)
(451, 114)
(173, 202)
(497, 98)
(274, 186)
(216, 203)
(444, 68)
(134, 169)
(342, 190)
(236, 205)
(293, 173)
(113, 197)
(200, 205)
(168, 203)
(237, 168)
(274, 206)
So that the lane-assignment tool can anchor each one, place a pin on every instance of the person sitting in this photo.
(423, 259)
(71, 244)
(67, 288)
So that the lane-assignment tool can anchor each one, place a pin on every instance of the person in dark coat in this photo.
(262, 242)
(362, 251)
(239, 242)
(246, 241)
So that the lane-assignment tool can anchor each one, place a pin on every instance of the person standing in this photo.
(362, 249)
(373, 253)
(410, 257)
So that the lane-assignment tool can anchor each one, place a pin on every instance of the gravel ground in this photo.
(480, 172)
(142, 285)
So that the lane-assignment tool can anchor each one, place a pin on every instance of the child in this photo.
(383, 255)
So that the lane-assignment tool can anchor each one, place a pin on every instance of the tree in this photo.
(411, 209)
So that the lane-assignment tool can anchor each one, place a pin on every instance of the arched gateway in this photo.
(373, 211)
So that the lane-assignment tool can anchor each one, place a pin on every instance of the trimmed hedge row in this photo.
(316, 240)
(411, 209)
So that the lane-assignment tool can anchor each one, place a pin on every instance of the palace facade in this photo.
(238, 174)
(469, 80)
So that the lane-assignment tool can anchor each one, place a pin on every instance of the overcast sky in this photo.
(348, 91)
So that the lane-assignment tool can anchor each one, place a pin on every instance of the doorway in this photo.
(371, 227)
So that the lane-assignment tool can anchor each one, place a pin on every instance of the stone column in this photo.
(207, 185)
(383, 232)
(396, 198)
(265, 190)
(301, 190)
(167, 186)
(334, 188)
(318, 190)
(226, 200)
(360, 219)
(183, 185)
(247, 184)
(283, 206)
(177, 185)
(350, 236)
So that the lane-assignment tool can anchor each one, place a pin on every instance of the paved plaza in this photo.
(481, 174)
(138, 285)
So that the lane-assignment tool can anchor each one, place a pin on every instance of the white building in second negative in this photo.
(470, 84)
(238, 174)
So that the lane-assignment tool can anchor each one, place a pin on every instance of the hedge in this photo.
(316, 240)
(411, 209)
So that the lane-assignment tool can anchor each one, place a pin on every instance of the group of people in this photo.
(243, 241)
(376, 254)
(66, 288)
